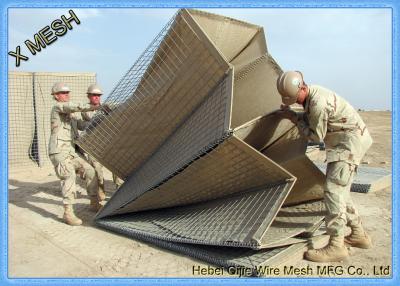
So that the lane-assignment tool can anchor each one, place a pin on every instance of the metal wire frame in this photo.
(238, 220)
(136, 101)
(22, 142)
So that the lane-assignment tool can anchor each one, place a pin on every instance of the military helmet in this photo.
(288, 85)
(59, 87)
(94, 89)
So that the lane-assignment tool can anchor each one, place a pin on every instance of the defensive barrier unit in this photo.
(207, 162)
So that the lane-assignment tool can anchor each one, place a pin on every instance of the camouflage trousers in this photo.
(66, 168)
(339, 205)
(98, 168)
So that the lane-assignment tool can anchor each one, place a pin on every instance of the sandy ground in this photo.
(41, 245)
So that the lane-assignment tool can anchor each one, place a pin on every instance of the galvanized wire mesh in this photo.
(29, 105)
(224, 256)
(165, 85)
(239, 220)
(227, 168)
(170, 133)
(22, 142)
(205, 128)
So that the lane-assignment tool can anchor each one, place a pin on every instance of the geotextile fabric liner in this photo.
(186, 129)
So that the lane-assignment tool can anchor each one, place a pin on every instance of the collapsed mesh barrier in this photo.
(192, 130)
(301, 218)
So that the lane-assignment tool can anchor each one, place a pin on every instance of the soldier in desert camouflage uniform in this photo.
(329, 118)
(94, 92)
(64, 127)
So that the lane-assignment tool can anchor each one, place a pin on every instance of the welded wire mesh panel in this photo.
(164, 86)
(228, 168)
(205, 128)
(255, 92)
(293, 220)
(43, 82)
(22, 142)
(239, 220)
(225, 256)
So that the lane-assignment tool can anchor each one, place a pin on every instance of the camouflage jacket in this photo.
(331, 119)
(65, 126)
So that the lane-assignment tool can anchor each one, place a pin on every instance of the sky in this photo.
(346, 50)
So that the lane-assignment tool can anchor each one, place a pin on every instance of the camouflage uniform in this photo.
(87, 116)
(64, 128)
(331, 119)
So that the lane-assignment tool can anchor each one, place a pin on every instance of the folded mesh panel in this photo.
(156, 95)
(230, 167)
(189, 128)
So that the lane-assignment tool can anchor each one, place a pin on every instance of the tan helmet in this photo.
(59, 87)
(94, 89)
(288, 85)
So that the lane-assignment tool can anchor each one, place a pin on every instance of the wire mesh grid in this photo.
(22, 142)
(234, 221)
(228, 168)
(255, 92)
(224, 256)
(29, 105)
(43, 82)
(164, 86)
(206, 127)
(294, 220)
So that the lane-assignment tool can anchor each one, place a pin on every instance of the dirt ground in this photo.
(41, 245)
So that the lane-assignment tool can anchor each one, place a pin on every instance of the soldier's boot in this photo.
(70, 217)
(358, 237)
(95, 204)
(335, 251)
(101, 194)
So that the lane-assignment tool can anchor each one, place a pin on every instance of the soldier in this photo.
(94, 92)
(330, 119)
(62, 152)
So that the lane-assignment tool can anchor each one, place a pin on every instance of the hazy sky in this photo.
(346, 50)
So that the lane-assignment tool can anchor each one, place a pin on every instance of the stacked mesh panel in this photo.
(188, 128)
(29, 105)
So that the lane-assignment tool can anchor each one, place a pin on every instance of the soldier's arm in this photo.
(314, 125)
(86, 116)
(80, 123)
(71, 107)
